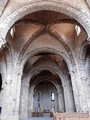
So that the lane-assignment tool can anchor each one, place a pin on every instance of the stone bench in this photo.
(71, 116)
(51, 114)
(37, 114)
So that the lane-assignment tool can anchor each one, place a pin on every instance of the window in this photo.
(0, 90)
(38, 96)
(12, 30)
(52, 96)
(0, 109)
(78, 30)
(0, 82)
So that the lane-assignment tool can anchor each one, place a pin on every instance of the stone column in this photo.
(68, 96)
(86, 81)
(83, 91)
(30, 107)
(87, 89)
(11, 91)
(74, 79)
(18, 89)
(84, 77)
(8, 100)
(24, 98)
(69, 99)
(61, 99)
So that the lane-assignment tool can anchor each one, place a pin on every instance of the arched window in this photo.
(0, 82)
(0, 90)
(52, 96)
(78, 30)
(38, 95)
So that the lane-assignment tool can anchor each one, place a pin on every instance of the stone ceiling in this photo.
(45, 17)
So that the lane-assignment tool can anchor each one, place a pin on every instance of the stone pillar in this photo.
(74, 79)
(83, 90)
(68, 96)
(84, 77)
(30, 107)
(11, 92)
(86, 80)
(69, 101)
(8, 100)
(87, 89)
(24, 98)
(61, 99)
(18, 89)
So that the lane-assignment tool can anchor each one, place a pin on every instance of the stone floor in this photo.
(45, 117)
(39, 118)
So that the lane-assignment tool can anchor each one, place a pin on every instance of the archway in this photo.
(45, 64)
(45, 97)
(46, 93)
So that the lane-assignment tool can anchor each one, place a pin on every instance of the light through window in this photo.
(52, 96)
